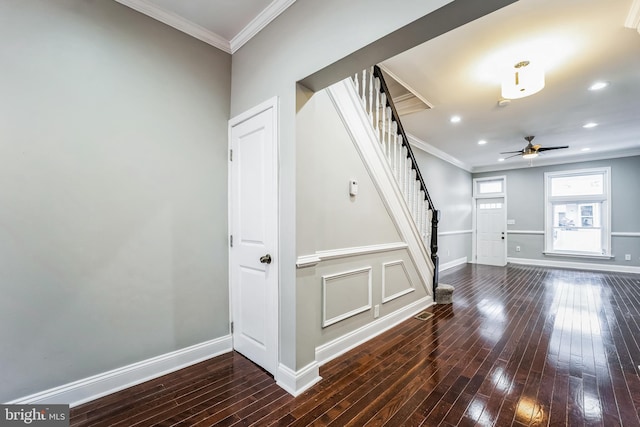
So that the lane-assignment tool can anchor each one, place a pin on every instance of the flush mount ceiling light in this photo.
(598, 86)
(523, 80)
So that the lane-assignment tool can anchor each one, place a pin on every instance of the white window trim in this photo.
(606, 211)
(503, 193)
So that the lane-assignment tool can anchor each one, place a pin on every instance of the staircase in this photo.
(383, 116)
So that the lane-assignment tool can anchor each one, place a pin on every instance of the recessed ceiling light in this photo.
(501, 159)
(598, 85)
(455, 119)
(590, 125)
(586, 149)
(482, 142)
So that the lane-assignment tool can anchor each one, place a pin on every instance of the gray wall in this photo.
(309, 36)
(525, 204)
(113, 227)
(329, 218)
(450, 189)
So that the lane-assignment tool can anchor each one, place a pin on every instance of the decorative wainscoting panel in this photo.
(396, 281)
(345, 294)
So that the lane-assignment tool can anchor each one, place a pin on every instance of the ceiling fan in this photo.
(531, 151)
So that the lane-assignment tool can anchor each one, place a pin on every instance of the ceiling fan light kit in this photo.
(531, 151)
(524, 79)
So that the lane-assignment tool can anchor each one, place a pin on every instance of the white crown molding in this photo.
(575, 265)
(633, 18)
(179, 23)
(259, 22)
(100, 385)
(428, 148)
(313, 259)
(578, 158)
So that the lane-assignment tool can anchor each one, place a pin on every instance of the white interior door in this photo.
(253, 219)
(491, 239)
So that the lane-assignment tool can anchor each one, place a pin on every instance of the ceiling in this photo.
(577, 42)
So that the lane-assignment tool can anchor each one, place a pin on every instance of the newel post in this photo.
(435, 218)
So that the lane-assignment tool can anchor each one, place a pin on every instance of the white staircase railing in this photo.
(385, 120)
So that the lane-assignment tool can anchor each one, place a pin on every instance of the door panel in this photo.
(491, 248)
(254, 226)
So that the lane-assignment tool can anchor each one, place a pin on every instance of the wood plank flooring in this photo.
(519, 346)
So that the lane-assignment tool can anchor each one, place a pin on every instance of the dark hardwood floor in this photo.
(519, 346)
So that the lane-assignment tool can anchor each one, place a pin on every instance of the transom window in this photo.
(577, 212)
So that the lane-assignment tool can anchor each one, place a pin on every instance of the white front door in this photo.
(253, 219)
(491, 239)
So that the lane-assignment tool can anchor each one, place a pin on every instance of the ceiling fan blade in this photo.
(552, 148)
(510, 152)
(515, 155)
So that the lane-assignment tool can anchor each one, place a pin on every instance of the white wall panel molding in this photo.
(575, 265)
(313, 259)
(385, 286)
(100, 385)
(349, 106)
(453, 233)
(341, 345)
(341, 280)
(540, 232)
(297, 382)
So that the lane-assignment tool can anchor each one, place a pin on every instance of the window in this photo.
(578, 212)
(493, 186)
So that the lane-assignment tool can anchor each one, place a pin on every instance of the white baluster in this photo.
(389, 136)
(383, 123)
(416, 202)
(394, 148)
(424, 218)
(357, 84)
(371, 93)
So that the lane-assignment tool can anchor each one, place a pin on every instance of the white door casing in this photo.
(253, 225)
(491, 233)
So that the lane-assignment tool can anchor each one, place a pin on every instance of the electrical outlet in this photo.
(376, 311)
(517, 248)
(627, 257)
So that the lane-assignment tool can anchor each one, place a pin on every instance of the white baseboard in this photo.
(339, 346)
(454, 263)
(296, 383)
(87, 389)
(575, 265)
